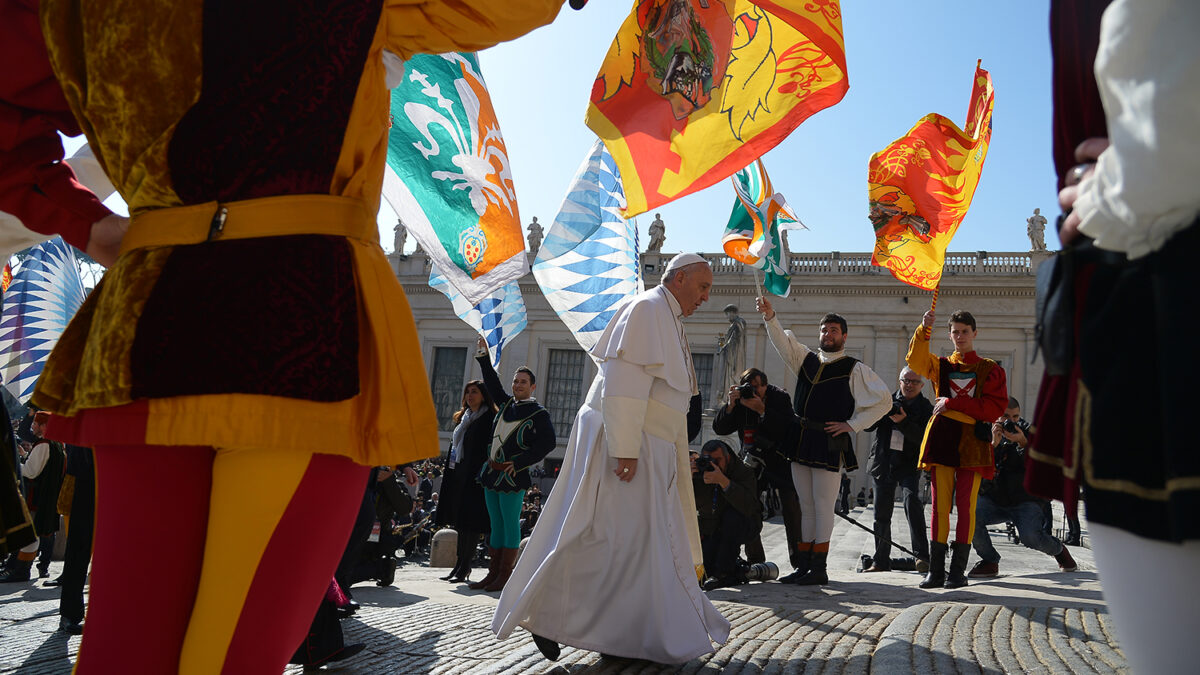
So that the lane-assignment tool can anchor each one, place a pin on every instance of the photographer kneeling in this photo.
(760, 414)
(728, 509)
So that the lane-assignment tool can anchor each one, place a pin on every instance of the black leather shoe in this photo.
(723, 582)
(793, 577)
(70, 627)
(57, 581)
(549, 648)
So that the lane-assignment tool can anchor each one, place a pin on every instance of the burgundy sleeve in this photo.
(36, 186)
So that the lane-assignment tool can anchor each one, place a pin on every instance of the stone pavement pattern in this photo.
(1031, 619)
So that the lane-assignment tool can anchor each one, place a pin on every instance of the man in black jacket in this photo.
(728, 510)
(761, 423)
(894, 452)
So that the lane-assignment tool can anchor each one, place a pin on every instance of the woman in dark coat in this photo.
(461, 504)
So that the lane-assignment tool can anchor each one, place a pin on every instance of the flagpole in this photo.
(933, 306)
(756, 284)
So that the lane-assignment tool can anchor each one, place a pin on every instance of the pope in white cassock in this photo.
(612, 564)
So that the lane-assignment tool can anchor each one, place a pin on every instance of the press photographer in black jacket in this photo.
(759, 413)
(728, 510)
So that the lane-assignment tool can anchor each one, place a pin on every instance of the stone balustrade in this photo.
(837, 262)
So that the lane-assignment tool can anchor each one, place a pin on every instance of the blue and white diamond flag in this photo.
(498, 317)
(45, 293)
(588, 262)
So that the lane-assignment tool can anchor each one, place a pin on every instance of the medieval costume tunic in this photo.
(1128, 432)
(612, 565)
(977, 393)
(251, 326)
(43, 472)
(522, 435)
(830, 387)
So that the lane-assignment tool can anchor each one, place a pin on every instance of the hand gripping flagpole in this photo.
(932, 307)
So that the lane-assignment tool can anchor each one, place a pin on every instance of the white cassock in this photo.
(611, 566)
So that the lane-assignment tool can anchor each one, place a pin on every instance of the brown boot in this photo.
(493, 569)
(508, 560)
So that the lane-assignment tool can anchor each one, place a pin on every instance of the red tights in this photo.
(211, 561)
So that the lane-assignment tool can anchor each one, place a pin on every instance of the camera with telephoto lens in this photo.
(704, 463)
(1009, 426)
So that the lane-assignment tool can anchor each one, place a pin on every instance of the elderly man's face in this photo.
(691, 287)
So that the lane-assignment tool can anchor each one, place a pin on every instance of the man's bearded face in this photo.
(832, 337)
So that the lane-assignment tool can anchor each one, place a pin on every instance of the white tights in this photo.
(818, 492)
(1151, 587)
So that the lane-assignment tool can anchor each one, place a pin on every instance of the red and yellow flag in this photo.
(692, 91)
(921, 185)
(6, 277)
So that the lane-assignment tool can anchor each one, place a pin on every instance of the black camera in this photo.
(895, 409)
(1009, 426)
(746, 390)
(704, 463)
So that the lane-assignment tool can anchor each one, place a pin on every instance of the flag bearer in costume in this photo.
(971, 392)
(836, 396)
(522, 435)
(613, 562)
(249, 341)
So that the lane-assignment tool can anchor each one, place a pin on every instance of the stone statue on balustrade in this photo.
(1036, 228)
(658, 235)
(731, 348)
(401, 233)
(535, 236)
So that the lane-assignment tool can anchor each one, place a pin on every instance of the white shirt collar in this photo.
(675, 307)
(827, 357)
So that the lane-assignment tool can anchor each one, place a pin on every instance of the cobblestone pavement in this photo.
(1031, 619)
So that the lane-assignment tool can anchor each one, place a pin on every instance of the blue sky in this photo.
(904, 60)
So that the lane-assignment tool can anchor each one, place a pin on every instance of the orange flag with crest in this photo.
(921, 185)
(692, 91)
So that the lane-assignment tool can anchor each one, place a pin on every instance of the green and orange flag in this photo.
(692, 91)
(921, 185)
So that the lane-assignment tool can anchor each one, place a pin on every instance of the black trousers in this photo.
(914, 511)
(721, 547)
(45, 553)
(363, 523)
(789, 505)
(467, 542)
(79, 548)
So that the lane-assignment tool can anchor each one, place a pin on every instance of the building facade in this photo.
(997, 288)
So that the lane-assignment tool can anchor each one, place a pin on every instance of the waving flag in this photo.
(690, 92)
(45, 293)
(450, 181)
(498, 317)
(588, 262)
(921, 185)
(752, 235)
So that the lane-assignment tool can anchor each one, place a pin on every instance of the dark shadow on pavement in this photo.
(51, 657)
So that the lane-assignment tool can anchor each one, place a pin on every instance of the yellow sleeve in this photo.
(436, 26)
(919, 358)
